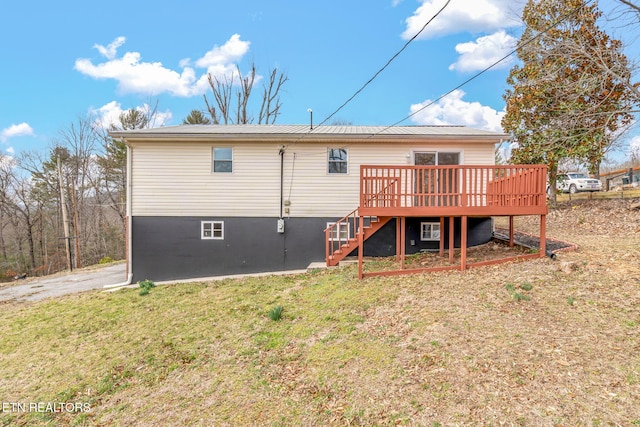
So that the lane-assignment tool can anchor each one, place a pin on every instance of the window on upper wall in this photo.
(429, 231)
(223, 159)
(338, 160)
(212, 230)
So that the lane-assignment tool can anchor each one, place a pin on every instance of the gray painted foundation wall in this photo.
(170, 248)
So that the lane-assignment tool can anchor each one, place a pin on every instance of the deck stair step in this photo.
(338, 250)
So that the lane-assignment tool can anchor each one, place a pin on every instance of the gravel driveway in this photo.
(36, 289)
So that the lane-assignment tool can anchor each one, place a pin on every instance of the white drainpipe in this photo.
(129, 234)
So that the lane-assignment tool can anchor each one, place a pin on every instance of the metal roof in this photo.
(301, 131)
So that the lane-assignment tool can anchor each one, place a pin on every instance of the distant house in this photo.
(209, 200)
(620, 179)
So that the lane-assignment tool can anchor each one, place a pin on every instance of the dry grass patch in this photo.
(529, 343)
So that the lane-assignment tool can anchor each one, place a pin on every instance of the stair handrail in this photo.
(334, 244)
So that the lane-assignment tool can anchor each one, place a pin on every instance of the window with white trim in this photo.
(338, 160)
(340, 232)
(429, 231)
(222, 158)
(212, 230)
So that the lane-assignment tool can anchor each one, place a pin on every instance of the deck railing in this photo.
(453, 190)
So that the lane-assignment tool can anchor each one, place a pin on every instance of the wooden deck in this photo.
(453, 190)
(437, 191)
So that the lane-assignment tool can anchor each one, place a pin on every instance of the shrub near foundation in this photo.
(146, 286)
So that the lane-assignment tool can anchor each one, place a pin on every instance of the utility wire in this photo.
(376, 74)
(560, 20)
(475, 76)
(387, 64)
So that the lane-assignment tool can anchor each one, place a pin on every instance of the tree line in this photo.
(66, 208)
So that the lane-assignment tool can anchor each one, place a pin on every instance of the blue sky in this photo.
(64, 60)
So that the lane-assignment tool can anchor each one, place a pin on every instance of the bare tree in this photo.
(222, 94)
(112, 162)
(81, 141)
(631, 5)
(221, 107)
(16, 197)
(270, 108)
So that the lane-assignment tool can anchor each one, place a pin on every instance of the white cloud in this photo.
(153, 78)
(485, 51)
(230, 52)
(110, 51)
(477, 16)
(453, 110)
(10, 150)
(110, 113)
(22, 129)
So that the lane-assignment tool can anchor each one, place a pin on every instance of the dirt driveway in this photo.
(36, 289)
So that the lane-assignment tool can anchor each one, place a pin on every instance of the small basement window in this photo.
(223, 159)
(338, 160)
(212, 230)
(340, 232)
(429, 231)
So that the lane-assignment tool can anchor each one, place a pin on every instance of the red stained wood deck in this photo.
(437, 191)
(453, 190)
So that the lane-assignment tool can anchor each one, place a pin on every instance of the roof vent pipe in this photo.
(310, 111)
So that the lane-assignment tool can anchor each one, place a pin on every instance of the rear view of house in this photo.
(215, 200)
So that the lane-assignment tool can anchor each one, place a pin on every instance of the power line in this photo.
(387, 64)
(475, 76)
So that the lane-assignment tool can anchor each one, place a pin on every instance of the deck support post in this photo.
(360, 246)
(452, 248)
(543, 235)
(398, 238)
(463, 244)
(402, 241)
(511, 242)
(441, 237)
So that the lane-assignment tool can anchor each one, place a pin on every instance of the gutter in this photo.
(122, 284)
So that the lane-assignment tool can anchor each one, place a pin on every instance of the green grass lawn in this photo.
(516, 344)
(215, 339)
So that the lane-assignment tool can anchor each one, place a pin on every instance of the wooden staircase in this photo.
(342, 236)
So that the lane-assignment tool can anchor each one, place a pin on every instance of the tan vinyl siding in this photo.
(175, 179)
(314, 192)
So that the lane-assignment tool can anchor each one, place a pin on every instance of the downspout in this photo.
(128, 236)
(281, 181)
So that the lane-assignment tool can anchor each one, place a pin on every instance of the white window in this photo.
(222, 159)
(212, 230)
(340, 232)
(338, 160)
(429, 231)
